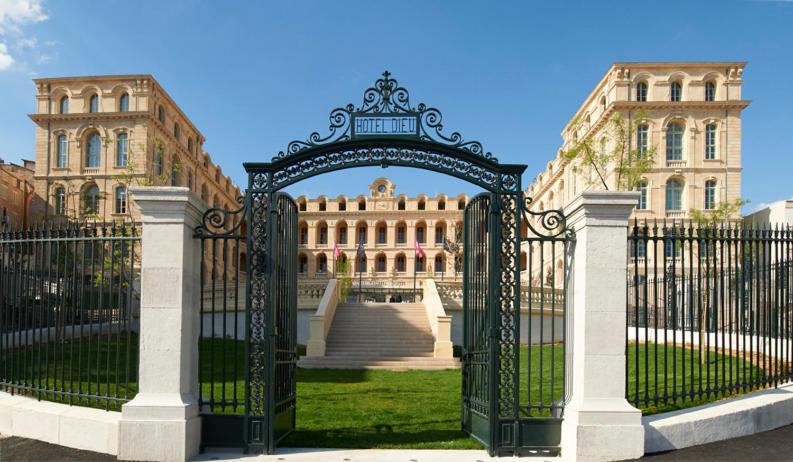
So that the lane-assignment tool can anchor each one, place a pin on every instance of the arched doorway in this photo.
(387, 130)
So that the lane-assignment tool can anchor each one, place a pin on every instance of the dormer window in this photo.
(161, 114)
(64, 105)
(641, 92)
(93, 104)
(123, 103)
(676, 92)
(710, 91)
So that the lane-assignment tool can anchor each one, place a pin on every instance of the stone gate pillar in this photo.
(599, 423)
(161, 423)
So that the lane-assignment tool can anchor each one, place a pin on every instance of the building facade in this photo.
(388, 225)
(690, 112)
(16, 194)
(687, 113)
(96, 136)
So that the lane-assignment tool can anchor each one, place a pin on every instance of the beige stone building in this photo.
(16, 194)
(97, 135)
(689, 111)
(389, 224)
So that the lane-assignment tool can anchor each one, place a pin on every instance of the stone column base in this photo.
(444, 350)
(156, 427)
(605, 429)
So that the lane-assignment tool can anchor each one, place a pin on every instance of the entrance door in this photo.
(283, 348)
(478, 353)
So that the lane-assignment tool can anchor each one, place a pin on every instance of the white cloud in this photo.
(15, 13)
(5, 59)
(26, 43)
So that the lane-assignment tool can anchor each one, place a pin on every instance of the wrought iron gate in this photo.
(478, 356)
(386, 130)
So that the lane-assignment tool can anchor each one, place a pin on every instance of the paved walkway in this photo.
(773, 446)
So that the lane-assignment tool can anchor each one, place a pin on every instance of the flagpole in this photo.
(360, 280)
(415, 262)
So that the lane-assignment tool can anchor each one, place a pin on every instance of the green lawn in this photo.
(370, 409)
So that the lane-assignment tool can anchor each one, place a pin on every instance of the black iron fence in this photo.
(708, 312)
(68, 294)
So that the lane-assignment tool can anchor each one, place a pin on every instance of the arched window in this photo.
(302, 263)
(190, 180)
(420, 266)
(674, 195)
(400, 263)
(422, 204)
(121, 200)
(381, 267)
(64, 105)
(204, 193)
(360, 264)
(303, 234)
(440, 233)
(710, 141)
(342, 205)
(92, 150)
(63, 152)
(123, 103)
(382, 233)
(322, 264)
(60, 200)
(159, 161)
(323, 205)
(710, 194)
(401, 204)
(641, 92)
(175, 167)
(676, 92)
(177, 131)
(322, 234)
(401, 232)
(642, 139)
(161, 114)
(301, 205)
(215, 202)
(93, 103)
(362, 204)
(341, 233)
(91, 200)
(674, 142)
(421, 233)
(641, 186)
(603, 103)
(439, 266)
(122, 148)
(710, 91)
(190, 145)
(461, 204)
(361, 233)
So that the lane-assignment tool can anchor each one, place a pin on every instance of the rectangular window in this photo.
(642, 139)
(710, 142)
(710, 197)
(63, 152)
(642, 205)
(121, 200)
(122, 150)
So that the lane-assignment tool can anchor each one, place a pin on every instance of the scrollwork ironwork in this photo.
(386, 97)
(222, 222)
(552, 223)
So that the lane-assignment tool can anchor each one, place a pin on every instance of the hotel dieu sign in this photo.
(364, 125)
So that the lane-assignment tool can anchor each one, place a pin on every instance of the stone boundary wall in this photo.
(71, 426)
(730, 418)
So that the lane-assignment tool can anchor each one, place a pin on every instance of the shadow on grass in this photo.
(331, 376)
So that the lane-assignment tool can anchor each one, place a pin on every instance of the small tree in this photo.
(344, 279)
(612, 155)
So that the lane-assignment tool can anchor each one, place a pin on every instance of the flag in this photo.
(419, 251)
(361, 252)
(336, 251)
(446, 246)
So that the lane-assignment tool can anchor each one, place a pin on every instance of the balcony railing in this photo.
(675, 163)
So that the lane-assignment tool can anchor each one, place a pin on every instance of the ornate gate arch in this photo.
(386, 130)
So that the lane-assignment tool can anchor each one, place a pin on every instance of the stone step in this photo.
(401, 364)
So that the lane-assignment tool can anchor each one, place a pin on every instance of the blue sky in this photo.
(254, 75)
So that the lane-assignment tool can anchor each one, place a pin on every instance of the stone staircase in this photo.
(392, 336)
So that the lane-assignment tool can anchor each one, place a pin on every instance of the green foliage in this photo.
(612, 155)
(344, 278)
(721, 213)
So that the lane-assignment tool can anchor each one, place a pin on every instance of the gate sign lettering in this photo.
(389, 125)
